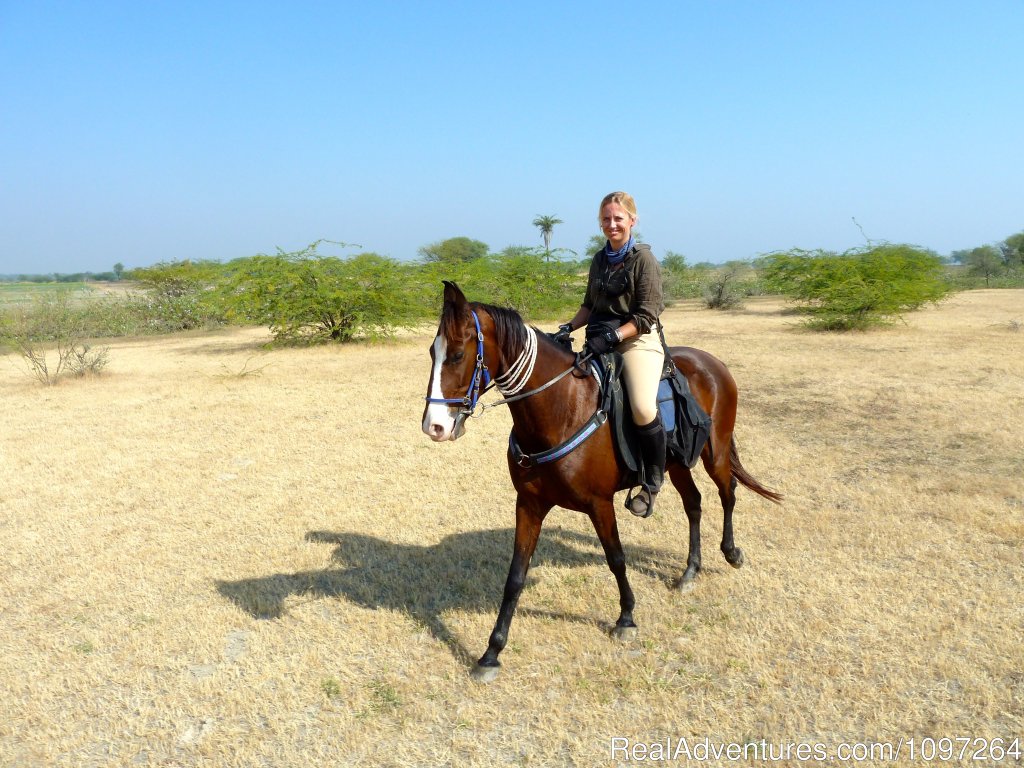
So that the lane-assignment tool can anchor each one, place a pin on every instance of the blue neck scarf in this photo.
(617, 257)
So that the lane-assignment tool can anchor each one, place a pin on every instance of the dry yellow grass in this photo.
(207, 568)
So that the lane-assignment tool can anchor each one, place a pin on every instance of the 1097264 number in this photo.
(964, 748)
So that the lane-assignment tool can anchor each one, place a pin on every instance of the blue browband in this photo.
(481, 380)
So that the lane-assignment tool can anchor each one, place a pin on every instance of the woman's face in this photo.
(616, 223)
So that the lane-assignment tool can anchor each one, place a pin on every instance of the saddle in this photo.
(687, 426)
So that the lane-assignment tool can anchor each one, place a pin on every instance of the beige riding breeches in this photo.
(643, 358)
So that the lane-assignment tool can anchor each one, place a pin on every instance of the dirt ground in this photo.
(219, 554)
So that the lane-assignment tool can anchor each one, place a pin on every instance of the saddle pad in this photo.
(667, 405)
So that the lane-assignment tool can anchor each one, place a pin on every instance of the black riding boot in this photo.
(652, 448)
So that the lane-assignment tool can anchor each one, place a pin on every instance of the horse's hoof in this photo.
(735, 558)
(685, 585)
(624, 634)
(484, 674)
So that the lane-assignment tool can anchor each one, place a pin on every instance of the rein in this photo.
(522, 396)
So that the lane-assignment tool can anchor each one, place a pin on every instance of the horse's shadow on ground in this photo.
(462, 572)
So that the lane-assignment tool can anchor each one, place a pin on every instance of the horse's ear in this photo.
(453, 295)
(455, 313)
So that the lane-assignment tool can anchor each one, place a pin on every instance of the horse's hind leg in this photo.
(530, 515)
(733, 554)
(682, 479)
(603, 518)
(721, 472)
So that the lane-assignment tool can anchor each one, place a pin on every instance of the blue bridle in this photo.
(480, 382)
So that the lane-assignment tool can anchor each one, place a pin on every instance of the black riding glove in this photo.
(603, 342)
(564, 335)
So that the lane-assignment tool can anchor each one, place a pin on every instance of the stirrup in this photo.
(642, 504)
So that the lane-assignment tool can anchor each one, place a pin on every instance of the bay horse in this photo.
(550, 399)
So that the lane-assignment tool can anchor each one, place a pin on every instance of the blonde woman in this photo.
(621, 311)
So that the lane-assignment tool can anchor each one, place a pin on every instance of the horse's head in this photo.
(458, 374)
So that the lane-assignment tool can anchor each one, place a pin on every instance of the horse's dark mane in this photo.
(509, 328)
(510, 331)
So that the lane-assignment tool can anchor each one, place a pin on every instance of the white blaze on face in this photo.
(438, 422)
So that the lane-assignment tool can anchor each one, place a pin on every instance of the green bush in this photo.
(48, 332)
(528, 282)
(857, 289)
(678, 279)
(306, 298)
(520, 278)
(726, 287)
(178, 296)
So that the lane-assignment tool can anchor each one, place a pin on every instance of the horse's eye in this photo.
(456, 358)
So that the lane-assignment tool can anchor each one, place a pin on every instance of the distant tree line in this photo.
(997, 265)
(308, 296)
(68, 277)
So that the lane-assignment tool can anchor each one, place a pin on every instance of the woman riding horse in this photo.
(620, 310)
(556, 420)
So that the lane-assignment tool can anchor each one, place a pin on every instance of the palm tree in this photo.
(546, 224)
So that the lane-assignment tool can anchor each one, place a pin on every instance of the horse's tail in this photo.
(746, 479)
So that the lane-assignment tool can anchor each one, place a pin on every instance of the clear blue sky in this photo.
(141, 132)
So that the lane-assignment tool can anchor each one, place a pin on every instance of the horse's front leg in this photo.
(530, 516)
(603, 518)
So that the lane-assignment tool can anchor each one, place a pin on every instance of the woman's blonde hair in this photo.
(622, 198)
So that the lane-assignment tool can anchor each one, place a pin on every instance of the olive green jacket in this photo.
(641, 299)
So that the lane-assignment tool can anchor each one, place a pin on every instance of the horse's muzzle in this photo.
(440, 428)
